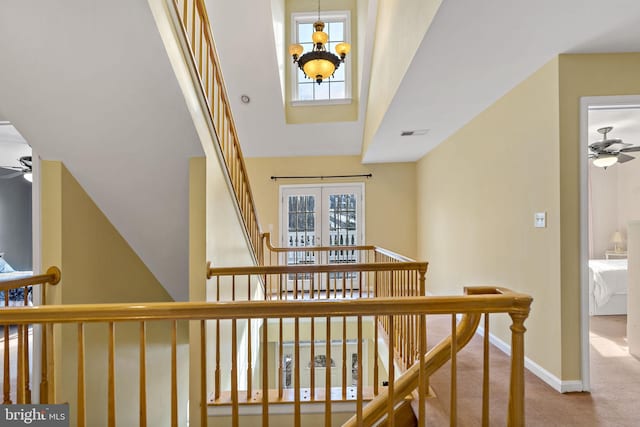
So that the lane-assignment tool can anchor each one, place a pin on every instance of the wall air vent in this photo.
(414, 132)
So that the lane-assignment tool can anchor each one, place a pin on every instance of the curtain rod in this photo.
(365, 175)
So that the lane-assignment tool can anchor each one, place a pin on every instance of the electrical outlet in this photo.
(540, 219)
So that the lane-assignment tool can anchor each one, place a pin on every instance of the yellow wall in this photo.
(581, 75)
(98, 266)
(400, 28)
(477, 195)
(320, 113)
(90, 245)
(390, 207)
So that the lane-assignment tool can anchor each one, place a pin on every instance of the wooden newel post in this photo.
(516, 391)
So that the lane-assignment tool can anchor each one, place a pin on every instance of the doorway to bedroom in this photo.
(611, 190)
(16, 249)
(16, 229)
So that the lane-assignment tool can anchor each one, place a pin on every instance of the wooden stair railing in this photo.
(417, 375)
(194, 28)
(115, 316)
(345, 282)
(410, 379)
(22, 348)
(365, 254)
(385, 284)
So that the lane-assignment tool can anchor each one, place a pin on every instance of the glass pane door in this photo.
(342, 217)
(301, 222)
(329, 215)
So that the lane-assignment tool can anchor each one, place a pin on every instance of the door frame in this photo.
(36, 259)
(281, 218)
(585, 103)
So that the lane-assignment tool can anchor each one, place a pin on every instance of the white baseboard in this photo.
(546, 376)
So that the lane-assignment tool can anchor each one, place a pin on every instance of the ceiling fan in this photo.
(24, 169)
(610, 151)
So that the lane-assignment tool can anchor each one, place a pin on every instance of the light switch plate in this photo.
(540, 219)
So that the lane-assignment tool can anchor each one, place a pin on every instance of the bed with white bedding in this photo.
(607, 286)
(16, 296)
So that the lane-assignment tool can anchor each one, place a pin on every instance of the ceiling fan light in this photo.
(605, 161)
(28, 176)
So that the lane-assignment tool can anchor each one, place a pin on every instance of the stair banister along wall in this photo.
(194, 29)
(17, 292)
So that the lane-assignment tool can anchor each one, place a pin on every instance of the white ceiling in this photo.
(12, 145)
(625, 122)
(473, 53)
(249, 65)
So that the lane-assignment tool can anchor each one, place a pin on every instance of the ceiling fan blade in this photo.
(622, 158)
(630, 149)
(11, 175)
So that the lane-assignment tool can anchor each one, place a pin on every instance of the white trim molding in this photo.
(327, 17)
(540, 372)
(587, 102)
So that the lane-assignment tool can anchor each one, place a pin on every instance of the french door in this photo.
(323, 215)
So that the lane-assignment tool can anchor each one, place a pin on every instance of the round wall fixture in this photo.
(245, 99)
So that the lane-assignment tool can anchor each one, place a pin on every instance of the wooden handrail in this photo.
(206, 66)
(315, 268)
(267, 238)
(502, 301)
(441, 353)
(22, 352)
(481, 300)
(393, 255)
(51, 277)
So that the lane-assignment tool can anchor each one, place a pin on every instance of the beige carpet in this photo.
(613, 401)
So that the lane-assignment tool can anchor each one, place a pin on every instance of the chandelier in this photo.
(319, 64)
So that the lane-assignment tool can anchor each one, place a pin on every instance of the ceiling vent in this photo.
(414, 132)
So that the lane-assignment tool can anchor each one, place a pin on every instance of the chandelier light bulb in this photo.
(295, 50)
(320, 37)
(342, 49)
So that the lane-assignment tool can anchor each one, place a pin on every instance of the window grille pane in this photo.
(305, 91)
(304, 32)
(336, 31)
(301, 230)
(342, 229)
(337, 90)
(307, 45)
(322, 90)
(302, 78)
